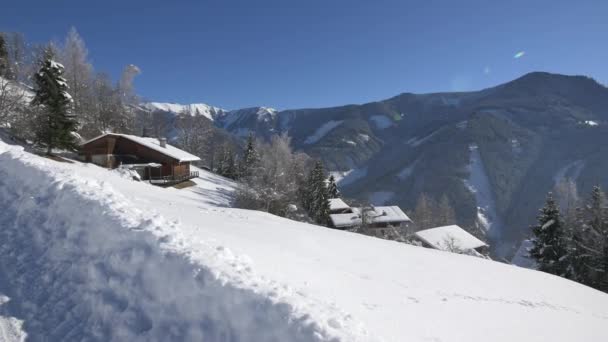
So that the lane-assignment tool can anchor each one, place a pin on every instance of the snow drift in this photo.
(88, 255)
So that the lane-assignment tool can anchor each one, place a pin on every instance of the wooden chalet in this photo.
(153, 159)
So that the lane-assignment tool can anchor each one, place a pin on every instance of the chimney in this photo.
(163, 142)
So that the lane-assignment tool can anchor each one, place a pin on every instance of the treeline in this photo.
(571, 236)
(275, 179)
(97, 104)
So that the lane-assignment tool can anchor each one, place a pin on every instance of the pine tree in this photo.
(316, 199)
(5, 70)
(250, 160)
(57, 125)
(333, 188)
(228, 164)
(549, 248)
(597, 240)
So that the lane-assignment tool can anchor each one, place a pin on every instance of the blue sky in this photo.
(316, 53)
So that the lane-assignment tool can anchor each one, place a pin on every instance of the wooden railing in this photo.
(171, 180)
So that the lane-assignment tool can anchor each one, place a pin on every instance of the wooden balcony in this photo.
(172, 180)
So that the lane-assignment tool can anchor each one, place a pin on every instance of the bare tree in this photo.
(423, 213)
(78, 73)
(12, 98)
(194, 133)
(445, 214)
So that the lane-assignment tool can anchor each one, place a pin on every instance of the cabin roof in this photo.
(337, 204)
(441, 237)
(153, 144)
(390, 214)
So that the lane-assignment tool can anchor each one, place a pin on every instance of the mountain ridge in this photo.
(443, 143)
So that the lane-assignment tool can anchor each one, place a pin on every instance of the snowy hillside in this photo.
(88, 255)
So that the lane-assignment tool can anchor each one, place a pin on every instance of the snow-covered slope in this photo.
(90, 255)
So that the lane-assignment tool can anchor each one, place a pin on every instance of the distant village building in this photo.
(377, 221)
(153, 159)
(452, 239)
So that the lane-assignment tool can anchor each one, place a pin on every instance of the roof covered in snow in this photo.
(337, 204)
(446, 237)
(390, 214)
(154, 144)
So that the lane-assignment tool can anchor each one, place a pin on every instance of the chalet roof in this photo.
(154, 144)
(337, 204)
(390, 214)
(441, 238)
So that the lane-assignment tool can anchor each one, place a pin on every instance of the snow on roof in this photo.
(391, 214)
(440, 237)
(154, 144)
(337, 204)
(345, 220)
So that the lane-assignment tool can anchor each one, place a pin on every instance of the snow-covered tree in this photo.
(5, 70)
(125, 85)
(316, 195)
(332, 187)
(57, 125)
(549, 244)
(79, 75)
(194, 132)
(250, 158)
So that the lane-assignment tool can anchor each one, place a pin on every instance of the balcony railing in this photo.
(171, 180)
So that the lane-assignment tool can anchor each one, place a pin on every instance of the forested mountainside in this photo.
(494, 153)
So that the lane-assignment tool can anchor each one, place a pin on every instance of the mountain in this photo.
(495, 153)
(87, 254)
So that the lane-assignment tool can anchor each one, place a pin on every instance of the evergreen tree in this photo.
(316, 198)
(596, 243)
(5, 70)
(251, 158)
(228, 164)
(333, 188)
(58, 125)
(549, 248)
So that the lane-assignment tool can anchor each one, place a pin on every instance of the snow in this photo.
(337, 204)
(516, 146)
(570, 171)
(154, 144)
(344, 178)
(414, 142)
(322, 131)
(591, 123)
(381, 121)
(407, 171)
(262, 114)
(381, 197)
(364, 137)
(522, 256)
(440, 236)
(206, 110)
(88, 255)
(479, 184)
(392, 214)
(11, 328)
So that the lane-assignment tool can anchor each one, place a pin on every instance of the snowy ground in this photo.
(88, 255)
